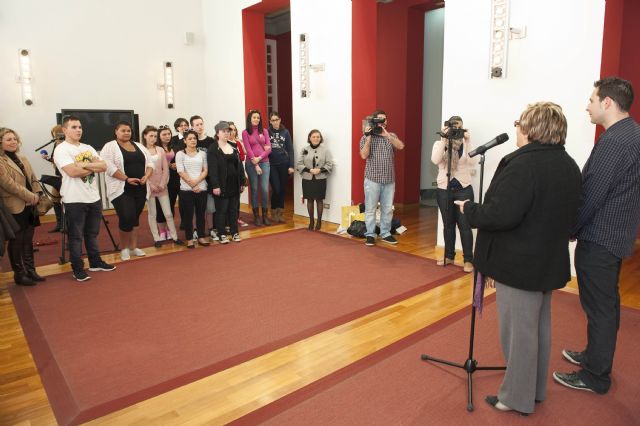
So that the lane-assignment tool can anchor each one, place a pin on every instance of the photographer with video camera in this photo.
(377, 147)
(454, 183)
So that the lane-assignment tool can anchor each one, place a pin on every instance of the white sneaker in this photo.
(214, 235)
(137, 252)
(236, 238)
(224, 239)
(125, 255)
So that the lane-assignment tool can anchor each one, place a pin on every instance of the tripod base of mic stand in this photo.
(470, 366)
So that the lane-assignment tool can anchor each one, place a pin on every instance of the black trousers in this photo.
(598, 271)
(453, 218)
(227, 211)
(278, 177)
(191, 202)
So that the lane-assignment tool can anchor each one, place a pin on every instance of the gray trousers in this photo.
(525, 335)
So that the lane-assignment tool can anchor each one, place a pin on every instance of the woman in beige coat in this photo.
(19, 192)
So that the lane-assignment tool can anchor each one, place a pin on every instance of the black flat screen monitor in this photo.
(98, 125)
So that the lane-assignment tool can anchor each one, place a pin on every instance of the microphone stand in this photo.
(46, 144)
(470, 365)
(445, 218)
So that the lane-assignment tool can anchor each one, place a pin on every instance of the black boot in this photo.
(27, 256)
(57, 208)
(265, 218)
(310, 228)
(14, 249)
(256, 217)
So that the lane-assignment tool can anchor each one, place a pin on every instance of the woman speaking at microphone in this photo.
(522, 248)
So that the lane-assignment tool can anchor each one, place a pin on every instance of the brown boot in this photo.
(265, 218)
(280, 217)
(256, 217)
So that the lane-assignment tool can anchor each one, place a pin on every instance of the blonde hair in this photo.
(55, 130)
(545, 123)
(4, 131)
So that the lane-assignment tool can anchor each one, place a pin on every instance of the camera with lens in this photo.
(453, 132)
(374, 125)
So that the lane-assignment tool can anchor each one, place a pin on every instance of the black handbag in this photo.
(357, 229)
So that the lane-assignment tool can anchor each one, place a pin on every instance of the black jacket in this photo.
(217, 164)
(525, 221)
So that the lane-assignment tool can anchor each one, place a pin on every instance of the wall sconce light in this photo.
(25, 78)
(499, 38)
(304, 66)
(168, 85)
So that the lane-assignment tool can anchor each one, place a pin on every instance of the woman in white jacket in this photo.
(459, 189)
(128, 168)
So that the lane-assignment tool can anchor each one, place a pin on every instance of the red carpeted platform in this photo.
(48, 245)
(157, 323)
(394, 387)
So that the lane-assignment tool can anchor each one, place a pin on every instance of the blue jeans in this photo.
(83, 221)
(455, 217)
(264, 183)
(375, 193)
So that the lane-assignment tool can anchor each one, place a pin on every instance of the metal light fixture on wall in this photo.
(168, 85)
(499, 38)
(25, 77)
(304, 66)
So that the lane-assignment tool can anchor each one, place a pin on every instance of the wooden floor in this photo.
(239, 390)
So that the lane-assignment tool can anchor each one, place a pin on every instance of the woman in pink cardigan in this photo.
(157, 186)
(257, 146)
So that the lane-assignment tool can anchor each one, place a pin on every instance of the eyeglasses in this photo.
(273, 120)
(516, 123)
(164, 126)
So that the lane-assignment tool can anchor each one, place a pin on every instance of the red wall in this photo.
(630, 54)
(363, 84)
(255, 66)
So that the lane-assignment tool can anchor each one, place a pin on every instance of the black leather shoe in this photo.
(571, 380)
(493, 401)
(573, 356)
(34, 275)
(21, 278)
(157, 244)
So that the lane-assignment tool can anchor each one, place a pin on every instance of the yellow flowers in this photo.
(84, 157)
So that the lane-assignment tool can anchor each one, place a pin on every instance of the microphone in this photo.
(487, 146)
(43, 152)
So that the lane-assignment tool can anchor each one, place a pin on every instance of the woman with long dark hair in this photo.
(19, 192)
(157, 187)
(226, 182)
(281, 160)
(128, 168)
(314, 165)
(257, 145)
(173, 186)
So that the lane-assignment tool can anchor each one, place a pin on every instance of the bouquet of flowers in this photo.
(86, 157)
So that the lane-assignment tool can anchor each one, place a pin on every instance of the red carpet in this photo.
(394, 387)
(48, 245)
(161, 322)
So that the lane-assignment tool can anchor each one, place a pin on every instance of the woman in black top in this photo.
(226, 181)
(282, 164)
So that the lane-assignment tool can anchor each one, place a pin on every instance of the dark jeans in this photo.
(190, 202)
(83, 221)
(453, 217)
(598, 271)
(227, 210)
(278, 177)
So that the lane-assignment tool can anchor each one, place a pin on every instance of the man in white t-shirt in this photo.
(78, 163)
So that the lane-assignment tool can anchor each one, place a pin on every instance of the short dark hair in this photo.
(68, 118)
(619, 90)
(194, 117)
(146, 131)
(378, 112)
(123, 123)
(311, 133)
(179, 121)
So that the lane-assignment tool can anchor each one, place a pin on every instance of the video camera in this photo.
(453, 132)
(374, 124)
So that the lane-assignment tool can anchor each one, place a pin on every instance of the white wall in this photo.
(558, 61)
(431, 93)
(329, 106)
(98, 55)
